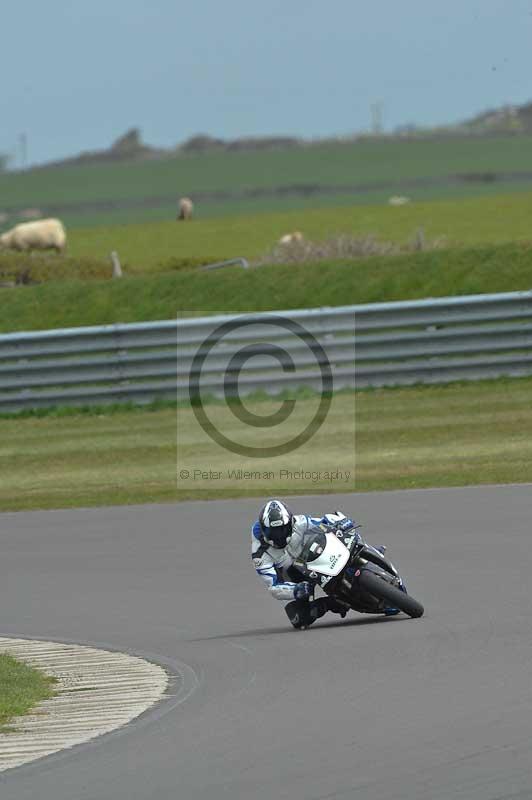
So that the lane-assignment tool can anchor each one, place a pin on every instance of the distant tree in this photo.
(129, 143)
(4, 161)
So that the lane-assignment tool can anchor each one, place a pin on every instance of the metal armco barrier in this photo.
(380, 344)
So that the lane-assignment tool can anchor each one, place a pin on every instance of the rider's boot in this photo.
(302, 613)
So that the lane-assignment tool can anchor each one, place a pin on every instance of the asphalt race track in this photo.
(380, 709)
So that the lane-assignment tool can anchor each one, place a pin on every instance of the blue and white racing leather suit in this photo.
(272, 563)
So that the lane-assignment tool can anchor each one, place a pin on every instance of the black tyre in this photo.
(393, 596)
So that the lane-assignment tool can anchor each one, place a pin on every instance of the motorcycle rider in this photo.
(271, 535)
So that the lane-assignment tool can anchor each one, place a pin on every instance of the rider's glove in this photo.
(302, 590)
(345, 524)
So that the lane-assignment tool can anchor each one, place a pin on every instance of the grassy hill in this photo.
(233, 182)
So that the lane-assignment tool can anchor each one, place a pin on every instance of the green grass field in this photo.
(381, 167)
(257, 206)
(21, 688)
(405, 438)
(497, 219)
(414, 437)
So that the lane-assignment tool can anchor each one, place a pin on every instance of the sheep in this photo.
(43, 234)
(186, 208)
(291, 238)
(398, 200)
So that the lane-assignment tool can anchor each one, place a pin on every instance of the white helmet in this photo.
(276, 521)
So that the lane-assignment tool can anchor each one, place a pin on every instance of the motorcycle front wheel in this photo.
(378, 587)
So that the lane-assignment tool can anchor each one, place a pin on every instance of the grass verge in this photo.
(414, 437)
(379, 278)
(21, 688)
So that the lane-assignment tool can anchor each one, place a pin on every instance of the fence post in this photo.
(419, 241)
(117, 269)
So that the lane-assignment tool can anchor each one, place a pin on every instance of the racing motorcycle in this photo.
(336, 557)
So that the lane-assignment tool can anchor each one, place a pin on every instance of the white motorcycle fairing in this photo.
(332, 559)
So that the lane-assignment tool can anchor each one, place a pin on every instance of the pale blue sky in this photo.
(77, 73)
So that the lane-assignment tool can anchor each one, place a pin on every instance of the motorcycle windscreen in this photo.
(328, 555)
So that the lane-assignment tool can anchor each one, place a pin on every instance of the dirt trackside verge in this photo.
(96, 692)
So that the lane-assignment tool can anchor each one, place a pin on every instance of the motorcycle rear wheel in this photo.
(393, 596)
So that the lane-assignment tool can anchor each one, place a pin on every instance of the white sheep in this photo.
(43, 234)
(186, 208)
(398, 200)
(291, 238)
